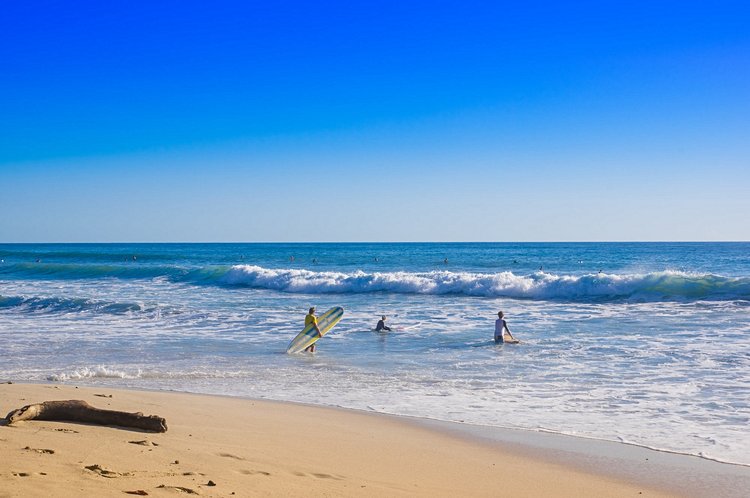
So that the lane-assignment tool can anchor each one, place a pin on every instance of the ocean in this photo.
(642, 343)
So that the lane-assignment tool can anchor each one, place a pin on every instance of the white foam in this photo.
(99, 371)
(539, 285)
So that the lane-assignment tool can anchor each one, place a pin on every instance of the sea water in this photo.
(644, 343)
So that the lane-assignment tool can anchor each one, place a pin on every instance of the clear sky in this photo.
(374, 121)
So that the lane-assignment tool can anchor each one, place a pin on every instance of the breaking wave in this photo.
(100, 372)
(653, 286)
(656, 286)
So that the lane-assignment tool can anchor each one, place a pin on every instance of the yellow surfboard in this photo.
(310, 336)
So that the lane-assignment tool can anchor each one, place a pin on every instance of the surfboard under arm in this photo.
(310, 336)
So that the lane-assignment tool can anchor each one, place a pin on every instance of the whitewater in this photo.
(643, 343)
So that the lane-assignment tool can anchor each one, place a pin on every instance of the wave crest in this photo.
(653, 286)
(100, 372)
(656, 286)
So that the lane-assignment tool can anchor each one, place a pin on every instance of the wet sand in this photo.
(222, 446)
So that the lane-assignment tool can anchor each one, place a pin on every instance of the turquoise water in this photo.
(647, 343)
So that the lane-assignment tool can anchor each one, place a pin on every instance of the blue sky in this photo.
(378, 121)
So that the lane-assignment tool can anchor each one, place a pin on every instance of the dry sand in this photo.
(220, 446)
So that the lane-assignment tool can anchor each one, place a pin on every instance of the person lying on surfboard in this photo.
(381, 325)
(500, 328)
(312, 319)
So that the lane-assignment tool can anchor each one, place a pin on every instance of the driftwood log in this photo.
(80, 411)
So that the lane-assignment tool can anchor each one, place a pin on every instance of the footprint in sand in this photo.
(143, 443)
(255, 472)
(178, 488)
(229, 455)
(110, 474)
(327, 476)
(320, 476)
(67, 430)
(40, 450)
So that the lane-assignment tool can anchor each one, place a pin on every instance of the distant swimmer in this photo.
(381, 325)
(315, 261)
(501, 327)
(445, 261)
(312, 319)
(291, 259)
(376, 259)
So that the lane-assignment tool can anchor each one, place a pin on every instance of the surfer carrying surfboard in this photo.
(311, 319)
(500, 328)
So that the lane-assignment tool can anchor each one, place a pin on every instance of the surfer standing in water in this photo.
(500, 328)
(312, 319)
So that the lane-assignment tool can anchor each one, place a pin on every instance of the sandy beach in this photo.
(221, 446)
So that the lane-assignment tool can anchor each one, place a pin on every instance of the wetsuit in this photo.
(499, 330)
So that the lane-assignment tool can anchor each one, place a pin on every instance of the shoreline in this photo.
(470, 429)
(370, 442)
(687, 475)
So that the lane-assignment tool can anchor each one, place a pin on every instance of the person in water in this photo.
(312, 319)
(381, 325)
(501, 327)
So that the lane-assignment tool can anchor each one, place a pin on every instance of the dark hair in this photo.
(312, 310)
